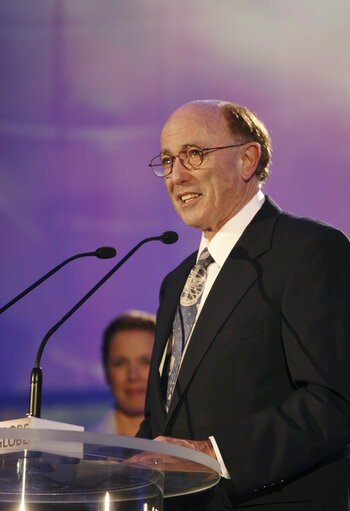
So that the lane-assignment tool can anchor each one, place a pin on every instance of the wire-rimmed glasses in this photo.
(191, 157)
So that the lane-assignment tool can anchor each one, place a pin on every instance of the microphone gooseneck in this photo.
(167, 237)
(101, 253)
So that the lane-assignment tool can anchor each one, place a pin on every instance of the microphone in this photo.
(101, 253)
(168, 237)
(105, 252)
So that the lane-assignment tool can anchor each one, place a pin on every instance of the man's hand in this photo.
(172, 462)
(204, 446)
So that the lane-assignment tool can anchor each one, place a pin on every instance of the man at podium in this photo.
(251, 357)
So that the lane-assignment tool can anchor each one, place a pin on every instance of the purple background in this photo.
(85, 87)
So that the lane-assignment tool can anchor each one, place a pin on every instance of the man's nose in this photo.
(179, 173)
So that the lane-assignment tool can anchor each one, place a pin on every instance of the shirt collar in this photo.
(225, 239)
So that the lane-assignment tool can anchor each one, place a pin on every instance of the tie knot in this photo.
(205, 258)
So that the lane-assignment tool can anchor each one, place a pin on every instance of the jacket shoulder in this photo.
(298, 228)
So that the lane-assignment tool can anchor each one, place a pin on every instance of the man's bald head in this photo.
(241, 123)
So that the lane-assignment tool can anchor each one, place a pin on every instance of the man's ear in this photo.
(250, 159)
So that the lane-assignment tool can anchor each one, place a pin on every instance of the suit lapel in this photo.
(233, 281)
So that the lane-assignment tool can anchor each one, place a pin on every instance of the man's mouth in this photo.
(188, 197)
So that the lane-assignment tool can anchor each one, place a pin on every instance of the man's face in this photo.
(128, 363)
(208, 196)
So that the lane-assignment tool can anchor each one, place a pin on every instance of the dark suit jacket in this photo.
(267, 369)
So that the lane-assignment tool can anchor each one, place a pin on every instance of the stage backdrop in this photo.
(85, 86)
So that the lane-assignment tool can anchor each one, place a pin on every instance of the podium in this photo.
(46, 469)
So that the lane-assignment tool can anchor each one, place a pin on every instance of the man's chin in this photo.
(191, 220)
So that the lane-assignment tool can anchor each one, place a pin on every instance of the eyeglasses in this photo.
(190, 157)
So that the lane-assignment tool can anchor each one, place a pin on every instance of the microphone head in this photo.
(105, 252)
(169, 237)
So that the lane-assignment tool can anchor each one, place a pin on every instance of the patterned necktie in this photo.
(185, 316)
